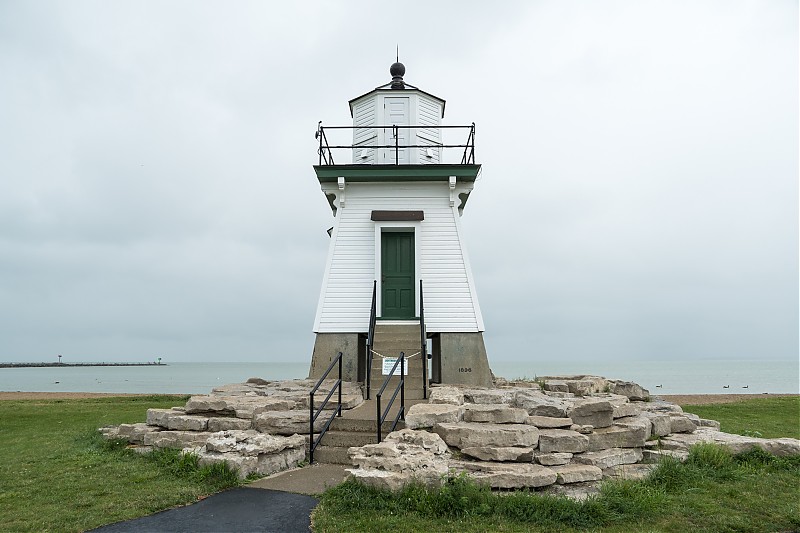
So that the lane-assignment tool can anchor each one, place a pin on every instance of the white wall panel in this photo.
(450, 303)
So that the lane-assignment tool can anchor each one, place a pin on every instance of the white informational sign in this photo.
(388, 363)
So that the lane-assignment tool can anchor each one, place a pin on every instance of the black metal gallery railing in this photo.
(373, 314)
(423, 341)
(325, 149)
(401, 388)
(314, 414)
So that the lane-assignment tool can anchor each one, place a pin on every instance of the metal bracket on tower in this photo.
(341, 193)
(452, 191)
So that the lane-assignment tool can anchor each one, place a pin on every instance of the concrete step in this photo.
(367, 427)
(346, 439)
(383, 327)
(413, 381)
(331, 455)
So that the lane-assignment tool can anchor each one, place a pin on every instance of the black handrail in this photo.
(423, 341)
(401, 387)
(465, 159)
(373, 312)
(326, 156)
(312, 415)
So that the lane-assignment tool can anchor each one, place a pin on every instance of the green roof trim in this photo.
(378, 173)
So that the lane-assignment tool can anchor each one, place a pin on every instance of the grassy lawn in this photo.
(56, 474)
(762, 417)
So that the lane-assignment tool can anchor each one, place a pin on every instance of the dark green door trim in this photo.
(397, 275)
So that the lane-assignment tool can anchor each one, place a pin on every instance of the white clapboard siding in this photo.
(429, 114)
(450, 305)
(364, 137)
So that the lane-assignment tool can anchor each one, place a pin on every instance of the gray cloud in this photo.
(638, 198)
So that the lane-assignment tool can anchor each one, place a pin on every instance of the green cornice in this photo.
(378, 173)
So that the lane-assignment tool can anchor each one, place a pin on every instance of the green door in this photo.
(397, 276)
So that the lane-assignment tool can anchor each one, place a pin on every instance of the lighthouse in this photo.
(397, 275)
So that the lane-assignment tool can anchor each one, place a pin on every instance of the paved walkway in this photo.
(277, 504)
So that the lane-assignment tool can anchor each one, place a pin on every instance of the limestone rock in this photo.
(494, 413)
(633, 471)
(504, 453)
(660, 424)
(506, 475)
(548, 422)
(134, 433)
(257, 381)
(489, 396)
(735, 443)
(628, 409)
(176, 439)
(539, 404)
(472, 434)
(426, 415)
(657, 405)
(554, 385)
(630, 389)
(582, 429)
(231, 405)
(251, 442)
(424, 439)
(587, 385)
(288, 422)
(448, 395)
(207, 404)
(616, 400)
(654, 456)
(553, 458)
(681, 424)
(563, 395)
(636, 422)
(618, 436)
(403, 456)
(573, 473)
(593, 411)
(706, 423)
(176, 420)
(609, 458)
(235, 389)
(581, 385)
(562, 440)
(260, 464)
(109, 432)
(227, 423)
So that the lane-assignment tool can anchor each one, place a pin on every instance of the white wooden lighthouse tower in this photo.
(397, 193)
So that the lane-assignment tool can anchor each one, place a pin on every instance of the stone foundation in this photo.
(510, 436)
(575, 434)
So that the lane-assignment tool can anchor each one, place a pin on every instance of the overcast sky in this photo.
(639, 194)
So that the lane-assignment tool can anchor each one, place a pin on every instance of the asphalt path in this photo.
(239, 510)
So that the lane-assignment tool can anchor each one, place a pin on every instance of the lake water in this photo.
(675, 377)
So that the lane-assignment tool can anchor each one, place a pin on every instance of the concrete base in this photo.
(462, 359)
(327, 346)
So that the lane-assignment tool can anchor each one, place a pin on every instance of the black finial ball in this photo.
(397, 70)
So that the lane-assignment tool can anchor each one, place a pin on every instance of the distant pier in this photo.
(59, 365)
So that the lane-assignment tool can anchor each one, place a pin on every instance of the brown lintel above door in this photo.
(396, 216)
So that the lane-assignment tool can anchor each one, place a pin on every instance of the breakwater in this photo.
(60, 365)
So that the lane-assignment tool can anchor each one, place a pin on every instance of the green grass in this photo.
(58, 474)
(760, 417)
(712, 492)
